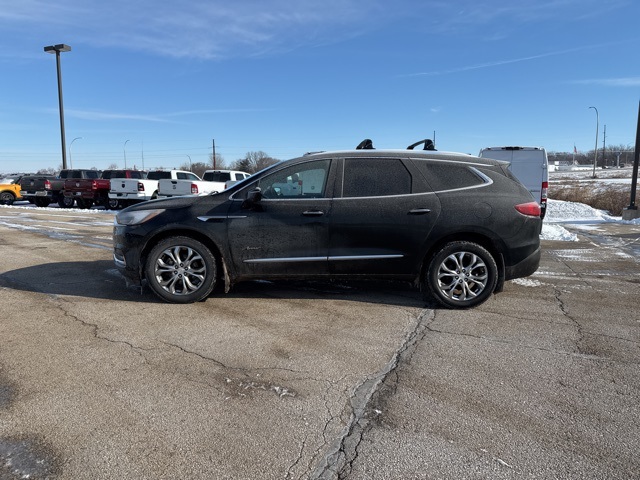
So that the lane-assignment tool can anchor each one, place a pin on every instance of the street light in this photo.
(70, 145)
(57, 49)
(189, 162)
(595, 159)
(125, 154)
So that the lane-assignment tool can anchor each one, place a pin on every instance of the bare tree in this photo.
(220, 163)
(198, 168)
(254, 162)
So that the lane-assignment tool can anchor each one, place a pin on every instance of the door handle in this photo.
(419, 211)
(313, 213)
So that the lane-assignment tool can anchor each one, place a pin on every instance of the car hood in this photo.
(164, 203)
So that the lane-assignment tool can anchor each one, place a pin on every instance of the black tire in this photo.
(65, 202)
(461, 275)
(7, 198)
(84, 203)
(42, 202)
(112, 204)
(181, 270)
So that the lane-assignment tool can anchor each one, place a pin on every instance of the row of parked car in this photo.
(113, 189)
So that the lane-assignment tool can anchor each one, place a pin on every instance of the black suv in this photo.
(455, 224)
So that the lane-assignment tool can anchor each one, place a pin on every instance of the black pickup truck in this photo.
(46, 189)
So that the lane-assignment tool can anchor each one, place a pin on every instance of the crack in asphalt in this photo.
(338, 460)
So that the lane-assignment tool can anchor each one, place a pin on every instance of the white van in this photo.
(529, 164)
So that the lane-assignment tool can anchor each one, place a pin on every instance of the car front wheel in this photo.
(7, 198)
(461, 275)
(181, 270)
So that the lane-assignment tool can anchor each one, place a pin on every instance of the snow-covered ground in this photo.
(559, 213)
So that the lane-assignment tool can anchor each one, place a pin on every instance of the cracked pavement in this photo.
(322, 381)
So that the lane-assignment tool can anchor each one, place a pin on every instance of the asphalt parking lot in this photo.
(312, 380)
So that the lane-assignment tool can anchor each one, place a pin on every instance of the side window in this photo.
(447, 176)
(305, 180)
(375, 177)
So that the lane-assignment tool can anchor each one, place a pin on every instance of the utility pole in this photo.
(632, 212)
(214, 153)
(604, 147)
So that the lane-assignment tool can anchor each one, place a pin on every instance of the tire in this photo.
(42, 202)
(84, 203)
(7, 198)
(181, 270)
(461, 275)
(112, 204)
(65, 202)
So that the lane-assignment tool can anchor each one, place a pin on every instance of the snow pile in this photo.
(559, 212)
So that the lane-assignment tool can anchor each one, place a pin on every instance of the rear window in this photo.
(217, 176)
(108, 174)
(375, 177)
(447, 176)
(158, 175)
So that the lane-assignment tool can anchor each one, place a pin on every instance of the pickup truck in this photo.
(10, 191)
(93, 187)
(224, 178)
(45, 189)
(184, 183)
(128, 191)
(84, 187)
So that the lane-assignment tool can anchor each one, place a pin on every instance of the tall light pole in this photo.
(70, 145)
(189, 162)
(124, 149)
(595, 159)
(57, 49)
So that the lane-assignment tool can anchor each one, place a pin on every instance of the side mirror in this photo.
(253, 198)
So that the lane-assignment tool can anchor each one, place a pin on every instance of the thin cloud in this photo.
(611, 82)
(93, 115)
(499, 63)
(203, 30)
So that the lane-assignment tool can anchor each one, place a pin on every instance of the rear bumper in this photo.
(525, 267)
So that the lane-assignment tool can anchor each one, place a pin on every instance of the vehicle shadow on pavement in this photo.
(91, 279)
(101, 280)
(370, 291)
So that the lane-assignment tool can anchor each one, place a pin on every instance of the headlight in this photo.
(137, 216)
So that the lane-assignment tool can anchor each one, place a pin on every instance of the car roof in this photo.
(417, 154)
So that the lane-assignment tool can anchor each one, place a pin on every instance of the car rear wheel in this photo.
(84, 203)
(113, 204)
(42, 202)
(461, 275)
(66, 202)
(181, 270)
(7, 198)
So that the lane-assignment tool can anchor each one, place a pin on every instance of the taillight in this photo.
(543, 193)
(47, 185)
(140, 187)
(194, 189)
(531, 209)
(94, 185)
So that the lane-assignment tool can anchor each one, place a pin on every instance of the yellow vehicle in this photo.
(10, 192)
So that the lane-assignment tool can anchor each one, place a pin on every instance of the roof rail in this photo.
(428, 144)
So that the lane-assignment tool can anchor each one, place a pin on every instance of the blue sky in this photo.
(158, 81)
